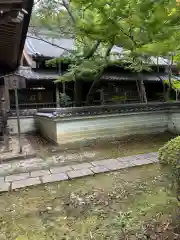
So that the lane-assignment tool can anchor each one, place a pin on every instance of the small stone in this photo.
(49, 208)
(79, 173)
(60, 169)
(16, 177)
(4, 187)
(100, 169)
(54, 177)
(81, 166)
(25, 183)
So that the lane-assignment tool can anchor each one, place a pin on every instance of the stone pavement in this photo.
(21, 180)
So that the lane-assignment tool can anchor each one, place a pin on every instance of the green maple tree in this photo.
(143, 28)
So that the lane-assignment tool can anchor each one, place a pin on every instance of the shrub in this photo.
(169, 155)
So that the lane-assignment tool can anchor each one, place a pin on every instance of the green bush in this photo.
(169, 155)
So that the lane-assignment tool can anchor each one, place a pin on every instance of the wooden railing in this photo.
(34, 105)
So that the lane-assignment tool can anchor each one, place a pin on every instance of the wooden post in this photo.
(102, 96)
(18, 119)
(6, 95)
(64, 87)
(4, 123)
(78, 92)
(57, 96)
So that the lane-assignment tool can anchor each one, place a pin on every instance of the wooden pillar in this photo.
(18, 119)
(6, 94)
(102, 96)
(78, 92)
(57, 96)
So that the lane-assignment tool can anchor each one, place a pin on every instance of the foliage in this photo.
(142, 28)
(64, 100)
(170, 152)
(88, 69)
(169, 155)
(175, 84)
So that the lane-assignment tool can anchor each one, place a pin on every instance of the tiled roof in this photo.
(35, 46)
(132, 77)
(29, 74)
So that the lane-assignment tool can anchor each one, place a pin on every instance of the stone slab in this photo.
(39, 173)
(81, 166)
(4, 187)
(54, 177)
(154, 154)
(25, 183)
(79, 173)
(126, 159)
(100, 169)
(115, 166)
(139, 162)
(104, 162)
(16, 177)
(154, 159)
(60, 169)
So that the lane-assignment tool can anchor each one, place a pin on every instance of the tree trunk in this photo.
(143, 92)
(170, 78)
(96, 80)
(108, 51)
(138, 89)
(57, 96)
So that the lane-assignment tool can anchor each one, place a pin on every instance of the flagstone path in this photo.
(10, 182)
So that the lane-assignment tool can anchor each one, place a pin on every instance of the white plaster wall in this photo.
(81, 129)
(27, 124)
(174, 122)
(119, 125)
(47, 128)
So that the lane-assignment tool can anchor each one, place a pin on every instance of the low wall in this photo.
(47, 128)
(72, 126)
(27, 124)
(82, 129)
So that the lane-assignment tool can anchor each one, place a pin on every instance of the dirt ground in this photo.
(129, 204)
(100, 150)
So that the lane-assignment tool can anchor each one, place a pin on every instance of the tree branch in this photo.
(93, 50)
(65, 4)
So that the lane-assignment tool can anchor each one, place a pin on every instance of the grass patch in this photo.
(128, 204)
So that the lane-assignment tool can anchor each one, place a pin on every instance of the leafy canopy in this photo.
(143, 28)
